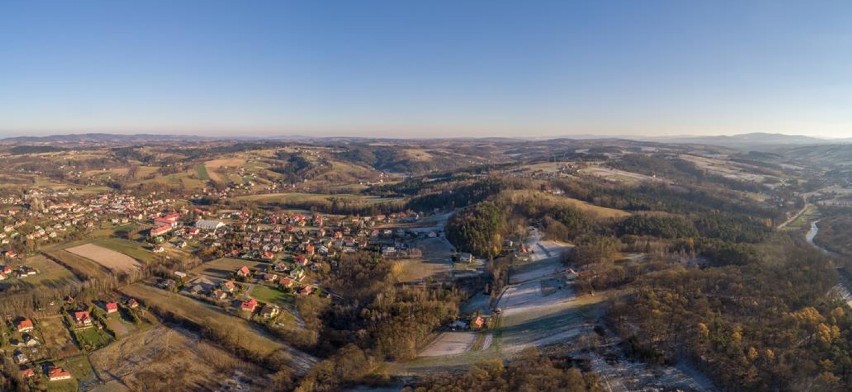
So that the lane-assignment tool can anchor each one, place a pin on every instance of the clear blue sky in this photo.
(426, 68)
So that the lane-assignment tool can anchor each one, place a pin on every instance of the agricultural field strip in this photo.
(108, 258)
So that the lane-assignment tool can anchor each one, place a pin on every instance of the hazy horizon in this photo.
(442, 69)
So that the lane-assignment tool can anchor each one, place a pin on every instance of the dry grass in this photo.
(228, 162)
(108, 258)
(166, 359)
(50, 273)
(80, 265)
(57, 339)
(596, 211)
(224, 268)
(228, 329)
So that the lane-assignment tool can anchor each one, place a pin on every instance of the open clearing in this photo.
(538, 309)
(620, 176)
(56, 337)
(108, 258)
(296, 197)
(130, 248)
(168, 359)
(273, 295)
(50, 274)
(450, 343)
(224, 268)
(80, 265)
(519, 196)
(230, 329)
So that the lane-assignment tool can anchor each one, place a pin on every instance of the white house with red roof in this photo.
(111, 307)
(25, 325)
(160, 230)
(57, 374)
(243, 272)
(82, 318)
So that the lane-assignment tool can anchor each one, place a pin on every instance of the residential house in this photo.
(270, 277)
(82, 319)
(25, 325)
(57, 374)
(27, 372)
(478, 321)
(249, 306)
(270, 311)
(229, 286)
(286, 282)
(159, 231)
(298, 274)
(20, 358)
(111, 307)
(243, 272)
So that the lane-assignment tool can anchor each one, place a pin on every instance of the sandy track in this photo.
(450, 343)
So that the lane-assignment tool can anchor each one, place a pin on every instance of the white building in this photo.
(205, 224)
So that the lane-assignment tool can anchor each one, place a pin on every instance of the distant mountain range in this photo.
(743, 140)
(750, 139)
(98, 138)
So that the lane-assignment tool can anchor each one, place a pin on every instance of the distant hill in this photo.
(97, 138)
(752, 139)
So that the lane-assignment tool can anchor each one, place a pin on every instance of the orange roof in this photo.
(58, 372)
(25, 323)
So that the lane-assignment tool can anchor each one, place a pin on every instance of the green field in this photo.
(224, 268)
(133, 249)
(202, 172)
(62, 386)
(50, 274)
(267, 294)
(91, 339)
(79, 367)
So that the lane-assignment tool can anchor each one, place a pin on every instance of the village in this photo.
(247, 264)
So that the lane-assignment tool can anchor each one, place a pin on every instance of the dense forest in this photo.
(372, 320)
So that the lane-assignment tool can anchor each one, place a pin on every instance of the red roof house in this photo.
(243, 271)
(82, 318)
(286, 282)
(111, 307)
(27, 372)
(25, 325)
(58, 373)
(249, 305)
(160, 230)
